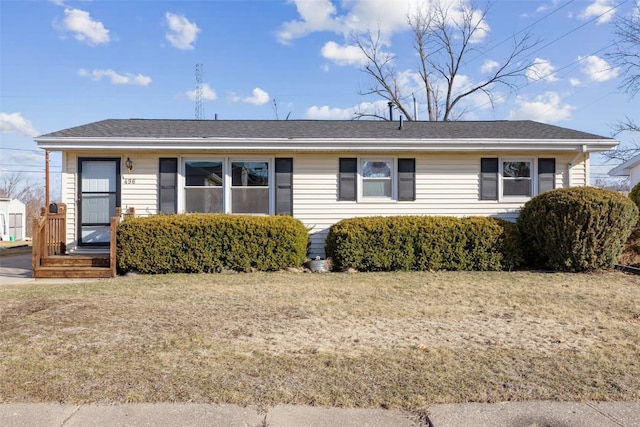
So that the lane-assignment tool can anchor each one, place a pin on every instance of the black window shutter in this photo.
(168, 196)
(406, 179)
(546, 175)
(284, 186)
(489, 178)
(347, 179)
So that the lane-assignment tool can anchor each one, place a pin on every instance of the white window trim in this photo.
(226, 182)
(534, 178)
(394, 180)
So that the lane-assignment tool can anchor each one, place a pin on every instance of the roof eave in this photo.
(320, 144)
(624, 169)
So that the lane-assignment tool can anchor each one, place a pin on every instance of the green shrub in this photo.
(576, 229)
(634, 195)
(420, 243)
(203, 243)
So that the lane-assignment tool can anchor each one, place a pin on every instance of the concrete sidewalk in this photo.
(15, 269)
(508, 414)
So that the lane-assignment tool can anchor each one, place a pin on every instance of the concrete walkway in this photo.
(15, 269)
(510, 414)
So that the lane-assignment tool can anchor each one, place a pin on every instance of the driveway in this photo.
(15, 269)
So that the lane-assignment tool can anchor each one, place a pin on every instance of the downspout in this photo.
(572, 161)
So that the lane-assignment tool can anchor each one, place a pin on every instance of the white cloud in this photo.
(541, 70)
(14, 122)
(343, 55)
(208, 94)
(547, 108)
(83, 27)
(258, 97)
(334, 113)
(489, 65)
(362, 15)
(182, 33)
(597, 69)
(602, 8)
(116, 79)
(574, 82)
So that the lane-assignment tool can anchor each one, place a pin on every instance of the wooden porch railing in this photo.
(49, 234)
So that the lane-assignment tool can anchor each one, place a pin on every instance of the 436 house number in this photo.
(129, 180)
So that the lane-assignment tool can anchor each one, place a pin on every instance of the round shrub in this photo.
(634, 195)
(576, 229)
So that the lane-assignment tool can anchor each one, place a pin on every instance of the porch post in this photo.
(46, 180)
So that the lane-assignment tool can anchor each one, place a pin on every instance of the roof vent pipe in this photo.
(215, 117)
(400, 127)
(390, 104)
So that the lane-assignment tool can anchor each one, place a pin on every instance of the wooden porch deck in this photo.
(51, 260)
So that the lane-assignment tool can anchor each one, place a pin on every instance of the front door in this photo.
(98, 197)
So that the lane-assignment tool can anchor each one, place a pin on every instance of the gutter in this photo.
(318, 144)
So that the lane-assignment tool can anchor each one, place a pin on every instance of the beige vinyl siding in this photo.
(142, 193)
(579, 170)
(68, 194)
(446, 184)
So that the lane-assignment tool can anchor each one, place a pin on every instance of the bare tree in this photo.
(626, 50)
(626, 56)
(443, 40)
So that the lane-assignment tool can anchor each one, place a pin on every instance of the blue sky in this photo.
(65, 63)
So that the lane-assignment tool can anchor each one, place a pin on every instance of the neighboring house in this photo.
(630, 168)
(13, 218)
(318, 171)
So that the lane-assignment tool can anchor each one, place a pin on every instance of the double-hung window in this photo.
(250, 187)
(203, 181)
(516, 178)
(377, 178)
(510, 178)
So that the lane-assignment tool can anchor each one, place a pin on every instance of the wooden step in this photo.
(75, 261)
(72, 272)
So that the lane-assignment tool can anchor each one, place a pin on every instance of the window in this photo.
(505, 178)
(203, 186)
(250, 187)
(376, 178)
(516, 178)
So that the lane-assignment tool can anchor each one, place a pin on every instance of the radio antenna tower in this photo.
(199, 106)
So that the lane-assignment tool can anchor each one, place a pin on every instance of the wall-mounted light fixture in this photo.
(128, 164)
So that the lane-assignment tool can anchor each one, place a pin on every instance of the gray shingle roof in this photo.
(311, 129)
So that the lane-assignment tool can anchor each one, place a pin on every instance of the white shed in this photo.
(630, 168)
(13, 218)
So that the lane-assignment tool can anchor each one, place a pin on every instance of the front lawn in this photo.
(391, 340)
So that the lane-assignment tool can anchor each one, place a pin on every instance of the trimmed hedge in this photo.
(422, 243)
(634, 195)
(204, 243)
(576, 229)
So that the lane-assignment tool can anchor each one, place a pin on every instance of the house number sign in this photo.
(129, 180)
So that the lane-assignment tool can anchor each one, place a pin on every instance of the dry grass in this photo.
(400, 340)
